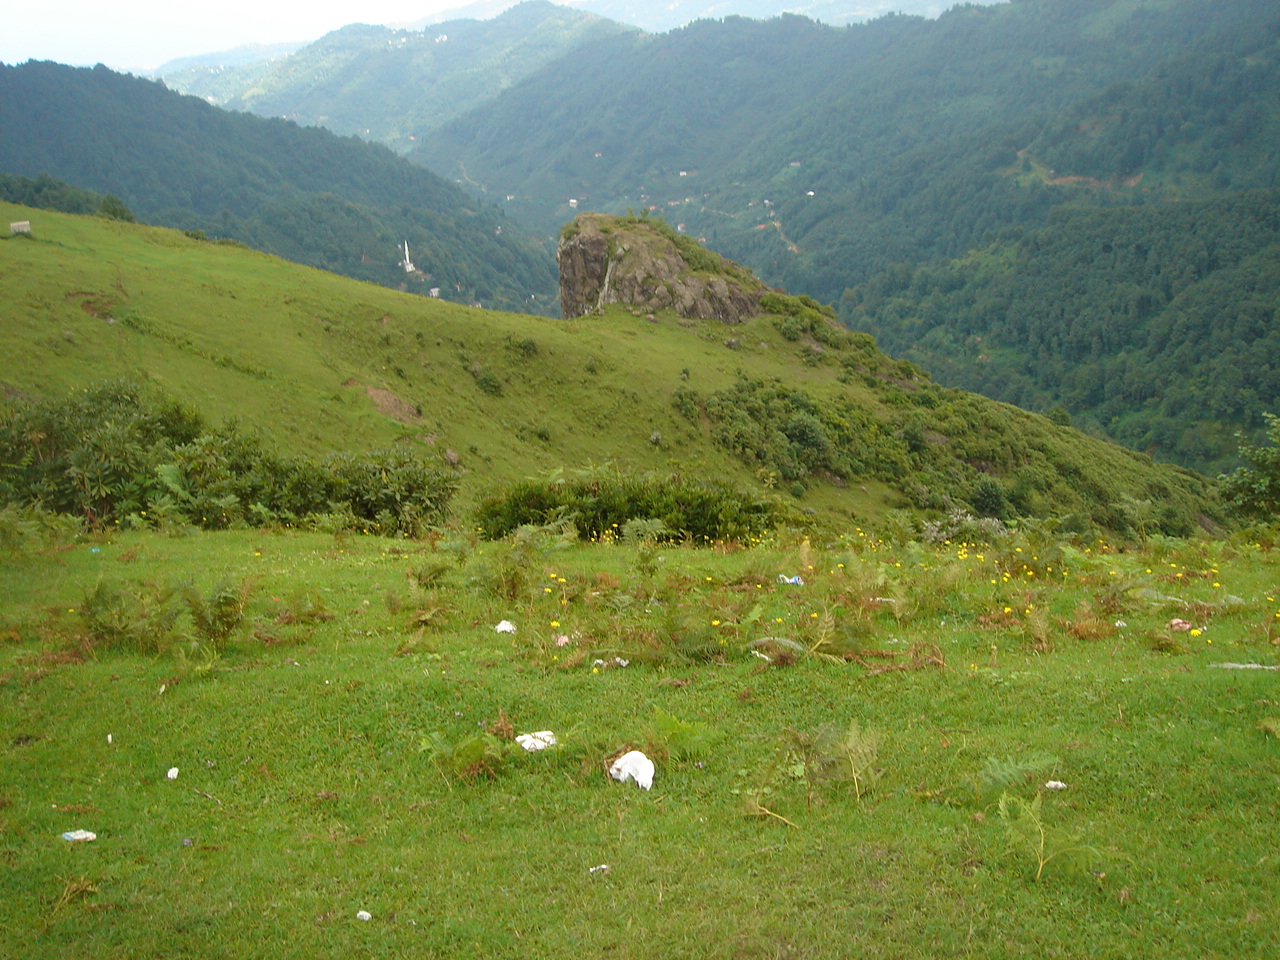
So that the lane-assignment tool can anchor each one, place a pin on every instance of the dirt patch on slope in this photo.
(388, 404)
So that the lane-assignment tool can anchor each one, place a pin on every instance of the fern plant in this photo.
(217, 615)
(140, 619)
(1025, 830)
(827, 755)
(999, 774)
(479, 755)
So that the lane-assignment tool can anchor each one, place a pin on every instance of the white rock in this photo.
(633, 766)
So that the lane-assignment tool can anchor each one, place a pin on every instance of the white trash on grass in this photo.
(364, 915)
(1055, 785)
(79, 836)
(537, 741)
(172, 774)
(633, 766)
(505, 626)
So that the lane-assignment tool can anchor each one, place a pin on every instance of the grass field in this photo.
(332, 755)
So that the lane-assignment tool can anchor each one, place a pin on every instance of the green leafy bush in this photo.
(120, 452)
(1254, 491)
(689, 510)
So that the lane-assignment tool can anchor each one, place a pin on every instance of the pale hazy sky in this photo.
(142, 34)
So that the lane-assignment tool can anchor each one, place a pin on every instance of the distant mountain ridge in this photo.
(660, 17)
(394, 85)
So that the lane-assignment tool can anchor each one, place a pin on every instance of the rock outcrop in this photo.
(645, 264)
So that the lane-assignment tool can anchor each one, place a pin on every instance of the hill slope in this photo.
(322, 363)
(302, 193)
(393, 86)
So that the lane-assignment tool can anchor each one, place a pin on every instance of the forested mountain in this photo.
(302, 193)
(1158, 325)
(660, 17)
(394, 85)
(818, 155)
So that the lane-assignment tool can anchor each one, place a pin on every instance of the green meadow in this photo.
(855, 765)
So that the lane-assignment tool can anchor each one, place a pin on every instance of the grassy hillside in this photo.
(322, 362)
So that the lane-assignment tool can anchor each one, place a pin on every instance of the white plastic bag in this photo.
(633, 766)
(537, 741)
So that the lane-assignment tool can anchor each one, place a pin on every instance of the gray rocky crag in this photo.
(605, 260)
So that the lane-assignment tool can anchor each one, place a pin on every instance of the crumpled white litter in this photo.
(615, 662)
(1055, 785)
(796, 581)
(506, 626)
(172, 774)
(364, 915)
(537, 741)
(633, 766)
(603, 868)
(75, 836)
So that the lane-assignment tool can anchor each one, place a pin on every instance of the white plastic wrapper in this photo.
(173, 773)
(506, 626)
(537, 741)
(79, 836)
(633, 766)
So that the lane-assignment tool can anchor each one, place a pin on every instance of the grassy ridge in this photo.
(322, 363)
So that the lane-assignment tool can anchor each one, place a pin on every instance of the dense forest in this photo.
(1158, 325)
(303, 193)
(48, 193)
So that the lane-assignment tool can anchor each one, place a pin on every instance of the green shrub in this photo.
(1254, 491)
(120, 453)
(689, 510)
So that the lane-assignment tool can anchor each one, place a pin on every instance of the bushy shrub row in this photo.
(118, 452)
(693, 511)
